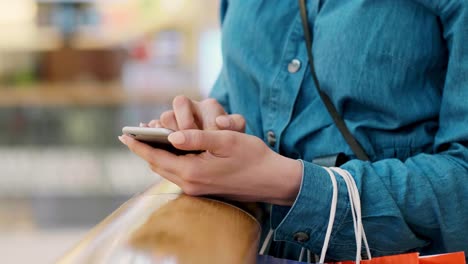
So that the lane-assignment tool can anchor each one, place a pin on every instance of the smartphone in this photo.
(156, 138)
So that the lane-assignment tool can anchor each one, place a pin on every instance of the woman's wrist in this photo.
(287, 174)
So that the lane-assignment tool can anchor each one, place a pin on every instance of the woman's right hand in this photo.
(204, 115)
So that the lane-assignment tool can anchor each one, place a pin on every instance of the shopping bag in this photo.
(449, 258)
(414, 258)
(360, 236)
(410, 258)
(398, 259)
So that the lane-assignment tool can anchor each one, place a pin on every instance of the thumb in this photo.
(233, 122)
(194, 139)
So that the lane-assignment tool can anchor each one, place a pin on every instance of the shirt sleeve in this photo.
(219, 91)
(415, 204)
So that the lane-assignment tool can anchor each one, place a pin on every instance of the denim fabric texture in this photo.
(397, 71)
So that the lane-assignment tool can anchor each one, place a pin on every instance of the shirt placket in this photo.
(290, 75)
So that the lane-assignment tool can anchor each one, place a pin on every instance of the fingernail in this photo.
(223, 121)
(143, 125)
(154, 124)
(177, 138)
(122, 139)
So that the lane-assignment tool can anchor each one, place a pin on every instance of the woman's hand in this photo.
(235, 165)
(205, 115)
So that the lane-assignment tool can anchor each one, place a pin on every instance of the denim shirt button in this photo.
(271, 138)
(301, 237)
(294, 66)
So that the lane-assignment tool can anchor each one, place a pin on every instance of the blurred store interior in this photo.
(72, 73)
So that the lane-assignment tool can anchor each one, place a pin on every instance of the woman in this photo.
(397, 73)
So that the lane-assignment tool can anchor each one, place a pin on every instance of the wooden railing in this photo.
(168, 227)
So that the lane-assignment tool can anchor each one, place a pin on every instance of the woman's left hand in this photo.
(234, 165)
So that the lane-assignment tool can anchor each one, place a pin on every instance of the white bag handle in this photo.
(355, 204)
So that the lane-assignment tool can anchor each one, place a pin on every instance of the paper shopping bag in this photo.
(414, 258)
(450, 258)
(355, 204)
(410, 258)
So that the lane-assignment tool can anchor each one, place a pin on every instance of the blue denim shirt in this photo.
(397, 71)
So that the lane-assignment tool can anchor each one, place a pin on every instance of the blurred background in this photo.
(72, 73)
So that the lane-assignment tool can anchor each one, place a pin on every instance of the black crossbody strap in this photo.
(339, 122)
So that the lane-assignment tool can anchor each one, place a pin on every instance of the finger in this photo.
(155, 157)
(167, 175)
(207, 111)
(233, 122)
(168, 120)
(184, 114)
(217, 142)
(154, 123)
(143, 125)
(168, 165)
